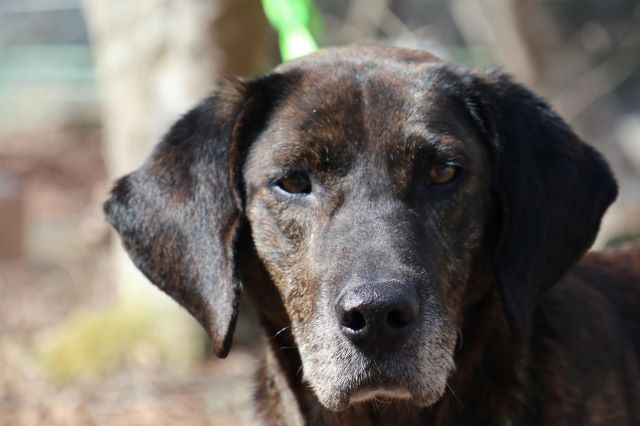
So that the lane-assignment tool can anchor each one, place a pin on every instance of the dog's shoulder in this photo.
(615, 276)
(585, 341)
(599, 295)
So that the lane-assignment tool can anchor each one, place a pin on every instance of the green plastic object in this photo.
(295, 21)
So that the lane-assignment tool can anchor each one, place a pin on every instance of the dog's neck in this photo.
(482, 383)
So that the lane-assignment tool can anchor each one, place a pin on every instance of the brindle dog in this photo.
(406, 227)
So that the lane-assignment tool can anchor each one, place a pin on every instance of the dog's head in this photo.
(370, 186)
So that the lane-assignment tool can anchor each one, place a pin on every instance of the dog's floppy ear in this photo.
(553, 190)
(178, 214)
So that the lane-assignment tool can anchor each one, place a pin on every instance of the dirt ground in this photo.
(64, 271)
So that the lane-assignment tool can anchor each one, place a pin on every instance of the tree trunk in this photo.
(155, 59)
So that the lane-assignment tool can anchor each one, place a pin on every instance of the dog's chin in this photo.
(340, 400)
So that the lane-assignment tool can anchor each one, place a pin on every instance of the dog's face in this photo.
(370, 186)
(375, 183)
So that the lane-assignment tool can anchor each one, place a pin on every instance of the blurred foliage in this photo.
(94, 343)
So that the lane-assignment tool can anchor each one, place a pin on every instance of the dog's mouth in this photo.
(390, 393)
(383, 389)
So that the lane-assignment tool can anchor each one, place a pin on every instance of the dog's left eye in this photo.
(442, 173)
(295, 183)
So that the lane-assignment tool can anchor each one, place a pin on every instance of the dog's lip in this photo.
(379, 392)
(380, 387)
(383, 389)
(367, 391)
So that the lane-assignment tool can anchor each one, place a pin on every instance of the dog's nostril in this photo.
(396, 319)
(353, 320)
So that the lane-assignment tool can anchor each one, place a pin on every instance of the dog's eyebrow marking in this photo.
(420, 139)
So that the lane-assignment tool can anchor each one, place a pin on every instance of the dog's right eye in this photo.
(295, 183)
(441, 174)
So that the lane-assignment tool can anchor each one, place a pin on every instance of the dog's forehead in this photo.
(370, 81)
(372, 99)
(361, 55)
(364, 76)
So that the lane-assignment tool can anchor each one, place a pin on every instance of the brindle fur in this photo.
(510, 331)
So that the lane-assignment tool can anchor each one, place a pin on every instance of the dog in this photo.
(413, 234)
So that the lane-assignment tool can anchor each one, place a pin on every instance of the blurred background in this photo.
(88, 87)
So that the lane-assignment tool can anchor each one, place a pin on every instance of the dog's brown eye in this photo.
(295, 183)
(442, 173)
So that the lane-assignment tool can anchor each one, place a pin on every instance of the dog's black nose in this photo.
(377, 317)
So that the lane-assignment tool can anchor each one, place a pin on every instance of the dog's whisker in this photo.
(455, 396)
(383, 402)
(281, 330)
(460, 340)
(376, 408)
